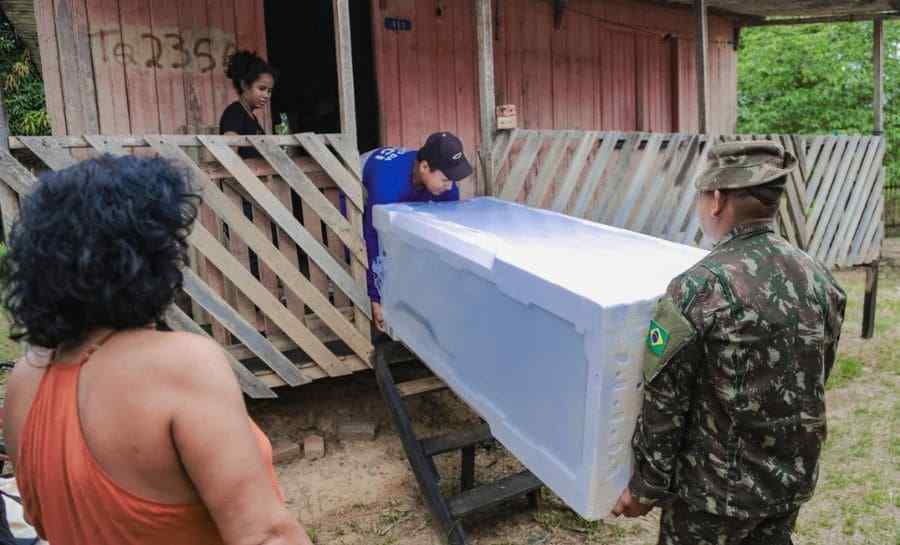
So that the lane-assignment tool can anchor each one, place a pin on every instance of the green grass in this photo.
(845, 370)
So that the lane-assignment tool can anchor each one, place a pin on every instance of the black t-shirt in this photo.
(236, 119)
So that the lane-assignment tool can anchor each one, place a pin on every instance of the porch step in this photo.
(433, 446)
(493, 494)
(420, 386)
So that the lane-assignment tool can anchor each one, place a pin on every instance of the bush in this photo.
(23, 90)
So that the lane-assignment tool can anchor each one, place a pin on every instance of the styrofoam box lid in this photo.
(524, 250)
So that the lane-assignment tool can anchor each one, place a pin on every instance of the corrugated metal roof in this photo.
(801, 8)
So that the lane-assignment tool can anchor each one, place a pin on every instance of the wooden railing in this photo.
(279, 272)
(644, 182)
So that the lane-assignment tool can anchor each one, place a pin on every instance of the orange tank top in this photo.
(70, 499)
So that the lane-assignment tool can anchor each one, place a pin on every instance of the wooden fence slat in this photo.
(830, 191)
(310, 194)
(333, 167)
(868, 175)
(264, 248)
(49, 151)
(867, 218)
(140, 141)
(337, 248)
(313, 225)
(676, 187)
(502, 146)
(597, 168)
(831, 152)
(639, 184)
(105, 145)
(347, 152)
(795, 190)
(576, 166)
(837, 207)
(285, 219)
(876, 225)
(14, 175)
(288, 248)
(661, 183)
(246, 332)
(811, 156)
(269, 304)
(548, 170)
(250, 384)
(266, 276)
(686, 203)
(224, 286)
(614, 188)
(515, 180)
(9, 209)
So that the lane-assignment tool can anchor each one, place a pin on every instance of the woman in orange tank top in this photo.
(123, 434)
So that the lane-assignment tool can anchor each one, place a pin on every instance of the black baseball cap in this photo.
(444, 152)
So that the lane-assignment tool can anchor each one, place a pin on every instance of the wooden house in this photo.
(615, 102)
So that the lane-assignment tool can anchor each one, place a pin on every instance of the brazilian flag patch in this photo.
(657, 338)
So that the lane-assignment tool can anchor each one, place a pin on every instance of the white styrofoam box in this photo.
(536, 320)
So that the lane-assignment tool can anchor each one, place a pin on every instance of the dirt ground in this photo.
(364, 492)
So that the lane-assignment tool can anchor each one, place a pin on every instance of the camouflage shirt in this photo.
(739, 350)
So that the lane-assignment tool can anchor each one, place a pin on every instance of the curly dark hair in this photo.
(245, 67)
(100, 244)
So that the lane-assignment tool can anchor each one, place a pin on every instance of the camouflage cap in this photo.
(736, 165)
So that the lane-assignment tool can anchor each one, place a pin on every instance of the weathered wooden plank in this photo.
(49, 151)
(356, 340)
(270, 306)
(347, 152)
(246, 332)
(77, 72)
(311, 195)
(576, 166)
(661, 184)
(250, 384)
(837, 207)
(109, 74)
(266, 276)
(876, 225)
(287, 247)
(14, 175)
(105, 145)
(50, 66)
(313, 225)
(795, 190)
(182, 140)
(639, 183)
(681, 178)
(341, 176)
(683, 212)
(548, 170)
(285, 219)
(831, 153)
(240, 251)
(515, 180)
(344, 53)
(595, 172)
(615, 184)
(502, 146)
(826, 197)
(868, 175)
(337, 248)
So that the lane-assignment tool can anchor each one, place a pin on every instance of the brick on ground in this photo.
(284, 451)
(313, 447)
(357, 430)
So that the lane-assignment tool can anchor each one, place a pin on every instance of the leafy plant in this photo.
(23, 90)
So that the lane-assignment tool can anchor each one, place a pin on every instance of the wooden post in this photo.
(868, 321)
(702, 40)
(344, 52)
(871, 297)
(878, 66)
(9, 203)
(484, 27)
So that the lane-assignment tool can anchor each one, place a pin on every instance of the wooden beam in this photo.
(344, 52)
(9, 203)
(702, 66)
(878, 69)
(789, 21)
(484, 28)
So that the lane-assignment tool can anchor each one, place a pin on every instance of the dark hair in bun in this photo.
(245, 67)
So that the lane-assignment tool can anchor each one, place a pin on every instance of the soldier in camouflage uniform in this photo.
(738, 353)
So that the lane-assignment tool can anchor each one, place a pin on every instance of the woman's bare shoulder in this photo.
(187, 358)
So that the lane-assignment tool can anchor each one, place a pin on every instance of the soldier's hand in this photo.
(629, 506)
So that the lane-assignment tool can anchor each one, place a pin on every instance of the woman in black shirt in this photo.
(253, 80)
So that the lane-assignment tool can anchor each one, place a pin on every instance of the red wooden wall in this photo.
(613, 65)
(142, 66)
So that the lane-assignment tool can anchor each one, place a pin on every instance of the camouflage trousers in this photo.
(681, 525)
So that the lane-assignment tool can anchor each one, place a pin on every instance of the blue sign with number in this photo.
(398, 25)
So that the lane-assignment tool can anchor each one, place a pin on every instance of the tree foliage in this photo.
(818, 79)
(23, 91)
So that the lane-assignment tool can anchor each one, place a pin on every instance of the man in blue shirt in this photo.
(394, 175)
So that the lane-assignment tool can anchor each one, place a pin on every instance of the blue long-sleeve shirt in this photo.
(388, 178)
